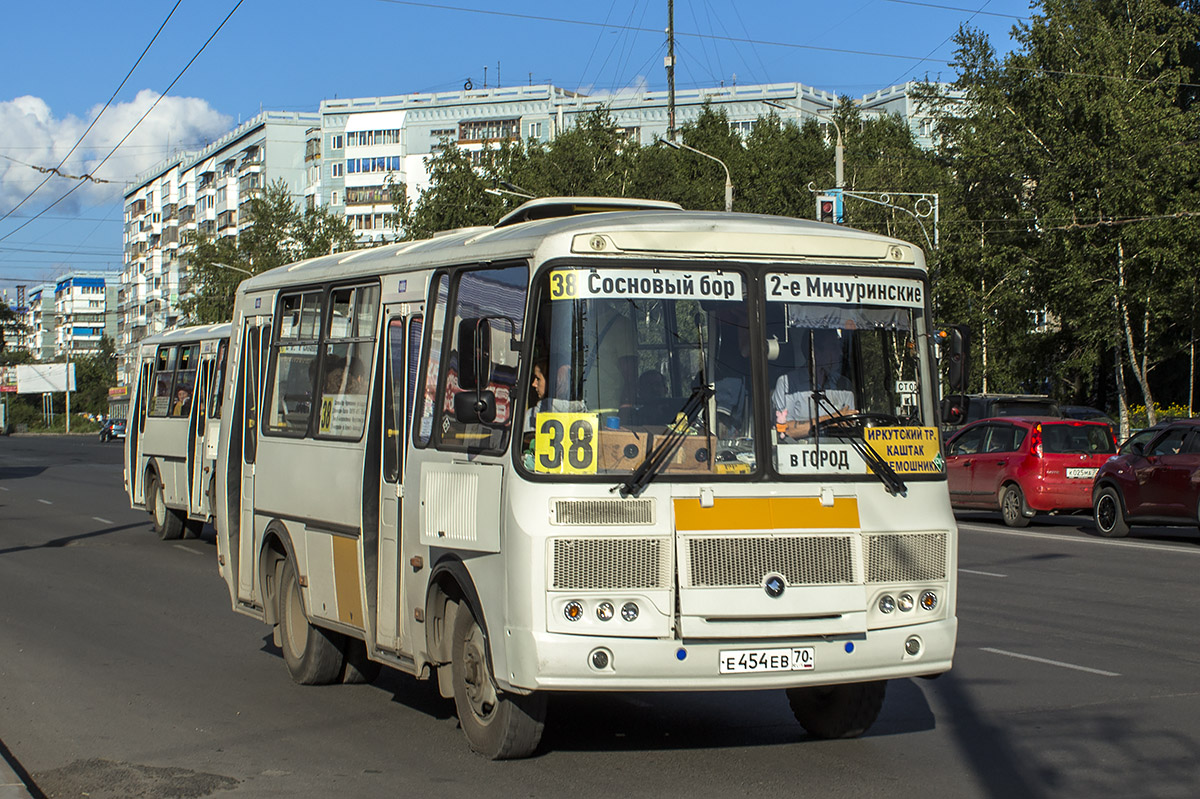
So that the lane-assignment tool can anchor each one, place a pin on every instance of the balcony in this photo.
(187, 214)
(226, 219)
(169, 212)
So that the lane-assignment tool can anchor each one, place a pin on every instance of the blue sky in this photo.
(62, 63)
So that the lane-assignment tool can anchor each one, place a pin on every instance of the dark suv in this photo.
(1155, 482)
(961, 409)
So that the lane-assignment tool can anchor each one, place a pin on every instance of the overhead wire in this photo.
(97, 117)
(135, 124)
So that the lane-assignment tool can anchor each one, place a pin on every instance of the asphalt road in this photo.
(123, 673)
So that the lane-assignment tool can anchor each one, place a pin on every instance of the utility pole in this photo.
(670, 64)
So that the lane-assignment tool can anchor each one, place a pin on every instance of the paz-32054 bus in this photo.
(602, 445)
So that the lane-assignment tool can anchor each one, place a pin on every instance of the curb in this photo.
(11, 786)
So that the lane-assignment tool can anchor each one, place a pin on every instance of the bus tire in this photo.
(837, 711)
(498, 726)
(313, 655)
(359, 668)
(1110, 513)
(167, 523)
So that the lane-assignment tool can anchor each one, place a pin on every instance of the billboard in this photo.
(40, 378)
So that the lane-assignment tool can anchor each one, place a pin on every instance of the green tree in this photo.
(274, 232)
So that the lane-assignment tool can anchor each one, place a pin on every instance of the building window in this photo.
(488, 129)
(535, 130)
(333, 198)
(338, 168)
(336, 141)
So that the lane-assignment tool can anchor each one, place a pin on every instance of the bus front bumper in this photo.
(558, 662)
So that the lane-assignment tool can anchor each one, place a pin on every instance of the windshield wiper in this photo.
(878, 466)
(663, 451)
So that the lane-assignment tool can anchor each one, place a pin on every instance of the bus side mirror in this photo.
(474, 403)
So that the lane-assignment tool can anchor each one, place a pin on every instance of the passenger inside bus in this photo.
(183, 401)
(819, 356)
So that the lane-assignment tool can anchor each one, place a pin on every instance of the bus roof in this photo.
(659, 231)
(189, 333)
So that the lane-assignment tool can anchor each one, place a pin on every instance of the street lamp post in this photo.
(678, 145)
(234, 268)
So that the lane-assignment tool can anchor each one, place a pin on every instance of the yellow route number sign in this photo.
(564, 284)
(565, 443)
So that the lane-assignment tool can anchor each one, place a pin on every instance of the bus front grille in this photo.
(744, 561)
(603, 511)
(905, 557)
(610, 564)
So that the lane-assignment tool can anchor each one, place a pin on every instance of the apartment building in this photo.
(38, 336)
(199, 192)
(85, 311)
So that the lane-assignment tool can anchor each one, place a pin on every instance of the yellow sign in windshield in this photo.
(908, 450)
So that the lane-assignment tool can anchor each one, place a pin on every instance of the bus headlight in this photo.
(906, 603)
(604, 611)
(629, 611)
(929, 600)
(573, 610)
(886, 603)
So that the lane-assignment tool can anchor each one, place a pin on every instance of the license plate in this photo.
(1082, 472)
(743, 661)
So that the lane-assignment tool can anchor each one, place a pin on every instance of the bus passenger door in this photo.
(201, 464)
(133, 436)
(402, 346)
(254, 342)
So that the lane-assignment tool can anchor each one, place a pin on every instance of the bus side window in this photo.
(394, 400)
(428, 398)
(164, 380)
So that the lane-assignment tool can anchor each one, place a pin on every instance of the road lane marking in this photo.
(1168, 548)
(103, 521)
(189, 550)
(1048, 662)
(45, 502)
(2, 488)
(982, 574)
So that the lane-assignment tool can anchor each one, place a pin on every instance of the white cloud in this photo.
(31, 135)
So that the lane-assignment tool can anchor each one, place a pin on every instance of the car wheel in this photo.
(837, 711)
(1110, 513)
(498, 725)
(313, 655)
(1012, 507)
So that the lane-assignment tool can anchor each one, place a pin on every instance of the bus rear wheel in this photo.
(167, 522)
(313, 656)
(498, 726)
(837, 711)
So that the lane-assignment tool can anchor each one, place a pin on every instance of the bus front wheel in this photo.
(498, 725)
(313, 656)
(167, 523)
(837, 711)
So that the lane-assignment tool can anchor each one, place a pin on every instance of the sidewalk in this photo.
(11, 786)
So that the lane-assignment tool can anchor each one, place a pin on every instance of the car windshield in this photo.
(617, 355)
(1072, 438)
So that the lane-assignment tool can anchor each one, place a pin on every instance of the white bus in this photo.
(171, 437)
(581, 450)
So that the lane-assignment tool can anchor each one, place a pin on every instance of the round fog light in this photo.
(886, 603)
(928, 600)
(629, 611)
(604, 611)
(600, 659)
(913, 646)
(906, 602)
(573, 610)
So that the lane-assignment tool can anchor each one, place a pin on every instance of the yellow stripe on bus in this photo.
(766, 513)
(346, 582)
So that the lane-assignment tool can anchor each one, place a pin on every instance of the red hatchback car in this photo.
(1021, 465)
(1155, 482)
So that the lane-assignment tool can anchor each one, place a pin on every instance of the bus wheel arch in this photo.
(168, 524)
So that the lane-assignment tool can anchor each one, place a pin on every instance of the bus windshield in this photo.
(848, 357)
(618, 353)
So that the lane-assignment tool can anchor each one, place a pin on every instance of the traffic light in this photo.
(955, 344)
(827, 208)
